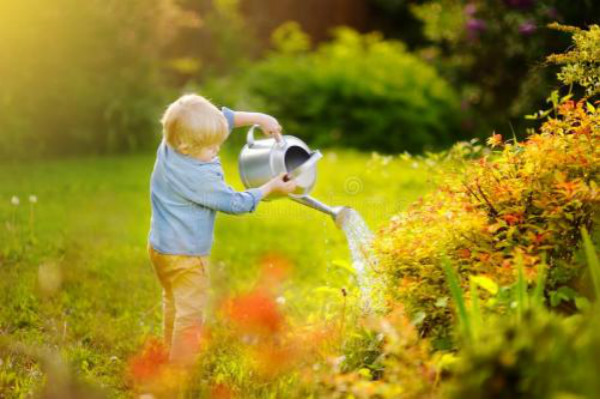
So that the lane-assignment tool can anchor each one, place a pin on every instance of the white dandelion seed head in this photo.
(15, 200)
(33, 199)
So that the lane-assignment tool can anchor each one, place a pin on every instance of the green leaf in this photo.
(344, 265)
(486, 283)
(592, 259)
(442, 302)
(475, 308)
(567, 293)
(566, 98)
(554, 299)
(419, 318)
(446, 361)
(457, 294)
(591, 109)
(553, 99)
(582, 303)
(538, 294)
(563, 294)
(364, 372)
(521, 289)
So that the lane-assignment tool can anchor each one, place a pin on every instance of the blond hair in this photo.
(193, 122)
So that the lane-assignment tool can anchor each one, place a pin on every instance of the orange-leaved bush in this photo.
(524, 202)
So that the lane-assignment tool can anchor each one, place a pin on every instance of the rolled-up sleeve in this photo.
(230, 116)
(212, 192)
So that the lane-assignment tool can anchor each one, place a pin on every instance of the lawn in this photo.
(75, 277)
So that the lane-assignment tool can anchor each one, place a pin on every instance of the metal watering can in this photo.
(261, 160)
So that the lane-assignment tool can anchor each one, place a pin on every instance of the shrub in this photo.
(491, 52)
(528, 199)
(357, 90)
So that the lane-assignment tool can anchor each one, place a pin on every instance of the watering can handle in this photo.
(250, 137)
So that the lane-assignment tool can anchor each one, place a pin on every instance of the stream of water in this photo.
(360, 238)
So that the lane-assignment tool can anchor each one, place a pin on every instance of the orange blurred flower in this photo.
(221, 391)
(150, 363)
(275, 268)
(255, 312)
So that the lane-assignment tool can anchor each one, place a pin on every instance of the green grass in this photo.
(91, 223)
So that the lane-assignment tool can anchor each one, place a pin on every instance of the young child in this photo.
(186, 190)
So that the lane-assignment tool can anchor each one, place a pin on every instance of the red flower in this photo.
(255, 312)
(150, 362)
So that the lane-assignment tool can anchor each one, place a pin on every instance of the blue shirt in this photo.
(186, 194)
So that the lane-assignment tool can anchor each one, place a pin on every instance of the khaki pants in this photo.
(185, 287)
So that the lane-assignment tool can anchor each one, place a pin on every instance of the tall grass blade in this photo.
(592, 259)
(521, 289)
(475, 308)
(457, 294)
(538, 293)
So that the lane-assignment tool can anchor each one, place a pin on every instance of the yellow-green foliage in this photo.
(543, 356)
(580, 65)
(408, 369)
(524, 200)
(443, 20)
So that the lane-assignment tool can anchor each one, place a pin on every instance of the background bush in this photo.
(83, 77)
(492, 52)
(357, 90)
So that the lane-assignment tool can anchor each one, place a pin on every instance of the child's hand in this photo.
(269, 126)
(279, 186)
(267, 123)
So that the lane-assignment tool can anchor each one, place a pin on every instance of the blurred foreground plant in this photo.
(532, 352)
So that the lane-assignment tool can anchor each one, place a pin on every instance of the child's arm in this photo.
(223, 198)
(212, 192)
(267, 123)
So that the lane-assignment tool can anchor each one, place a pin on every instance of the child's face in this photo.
(209, 152)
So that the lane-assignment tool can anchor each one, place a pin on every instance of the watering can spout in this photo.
(338, 213)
